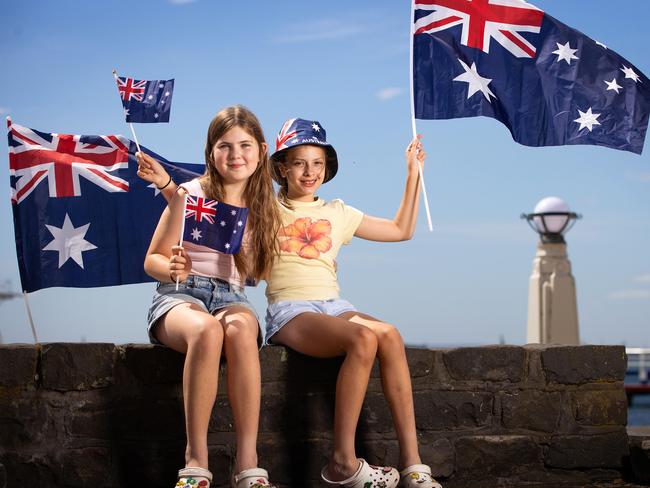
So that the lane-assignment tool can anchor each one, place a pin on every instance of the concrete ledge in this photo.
(83, 415)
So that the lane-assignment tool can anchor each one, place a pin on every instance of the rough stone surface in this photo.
(491, 363)
(77, 415)
(582, 364)
(18, 364)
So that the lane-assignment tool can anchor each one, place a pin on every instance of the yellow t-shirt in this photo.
(310, 238)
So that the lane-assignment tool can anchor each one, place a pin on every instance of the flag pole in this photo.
(413, 128)
(135, 138)
(180, 241)
(31, 320)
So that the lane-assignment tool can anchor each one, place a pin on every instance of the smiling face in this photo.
(305, 170)
(236, 155)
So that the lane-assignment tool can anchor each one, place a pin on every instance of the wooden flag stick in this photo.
(180, 241)
(31, 320)
(415, 133)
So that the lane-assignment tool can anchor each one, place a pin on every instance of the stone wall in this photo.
(101, 415)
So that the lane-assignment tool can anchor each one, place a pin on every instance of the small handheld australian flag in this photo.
(145, 101)
(214, 224)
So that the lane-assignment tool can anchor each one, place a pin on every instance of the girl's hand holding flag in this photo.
(180, 264)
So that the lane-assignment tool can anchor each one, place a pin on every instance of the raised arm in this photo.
(152, 171)
(165, 259)
(402, 226)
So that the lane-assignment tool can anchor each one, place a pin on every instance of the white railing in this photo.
(638, 361)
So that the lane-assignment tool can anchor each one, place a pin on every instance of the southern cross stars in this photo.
(613, 85)
(564, 52)
(475, 81)
(315, 127)
(196, 234)
(629, 73)
(69, 242)
(587, 119)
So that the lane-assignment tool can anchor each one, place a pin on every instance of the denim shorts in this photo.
(279, 313)
(211, 294)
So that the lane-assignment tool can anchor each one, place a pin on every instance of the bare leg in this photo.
(324, 336)
(188, 329)
(244, 380)
(396, 383)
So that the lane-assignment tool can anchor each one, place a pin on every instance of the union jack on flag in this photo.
(82, 232)
(548, 83)
(200, 208)
(146, 101)
(62, 159)
(481, 21)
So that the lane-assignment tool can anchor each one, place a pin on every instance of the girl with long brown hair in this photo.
(208, 313)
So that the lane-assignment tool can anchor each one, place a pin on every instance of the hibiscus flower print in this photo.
(307, 238)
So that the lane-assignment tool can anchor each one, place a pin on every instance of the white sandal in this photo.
(418, 476)
(367, 476)
(251, 478)
(194, 477)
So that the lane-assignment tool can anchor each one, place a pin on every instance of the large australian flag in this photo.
(548, 83)
(82, 217)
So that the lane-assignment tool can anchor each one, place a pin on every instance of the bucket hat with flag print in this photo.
(296, 132)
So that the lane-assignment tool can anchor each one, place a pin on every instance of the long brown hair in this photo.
(263, 214)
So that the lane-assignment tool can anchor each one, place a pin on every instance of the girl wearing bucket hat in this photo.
(306, 313)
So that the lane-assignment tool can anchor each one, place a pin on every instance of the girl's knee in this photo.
(388, 338)
(240, 328)
(205, 331)
(363, 343)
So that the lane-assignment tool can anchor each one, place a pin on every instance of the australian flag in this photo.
(82, 217)
(215, 225)
(548, 83)
(146, 101)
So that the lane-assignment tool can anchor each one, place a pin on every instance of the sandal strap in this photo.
(416, 468)
(195, 471)
(250, 473)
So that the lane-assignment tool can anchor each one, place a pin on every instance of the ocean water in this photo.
(638, 413)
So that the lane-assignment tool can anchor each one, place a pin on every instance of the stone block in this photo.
(588, 451)
(531, 410)
(18, 364)
(497, 455)
(300, 462)
(273, 362)
(151, 364)
(439, 454)
(148, 463)
(489, 363)
(90, 466)
(452, 410)
(583, 364)
(24, 419)
(600, 407)
(159, 420)
(66, 367)
(28, 469)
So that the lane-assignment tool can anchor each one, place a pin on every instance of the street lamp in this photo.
(552, 309)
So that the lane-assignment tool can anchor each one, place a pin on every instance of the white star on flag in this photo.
(564, 52)
(587, 119)
(155, 189)
(227, 246)
(150, 97)
(222, 223)
(629, 73)
(166, 94)
(160, 85)
(69, 242)
(613, 85)
(233, 212)
(240, 223)
(315, 127)
(475, 81)
(196, 234)
(155, 115)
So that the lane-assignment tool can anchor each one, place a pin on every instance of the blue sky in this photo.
(346, 65)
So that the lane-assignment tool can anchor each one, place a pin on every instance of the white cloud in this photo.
(180, 2)
(326, 29)
(388, 93)
(630, 295)
(645, 278)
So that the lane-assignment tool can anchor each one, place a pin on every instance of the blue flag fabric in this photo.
(146, 101)
(82, 217)
(548, 83)
(215, 225)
